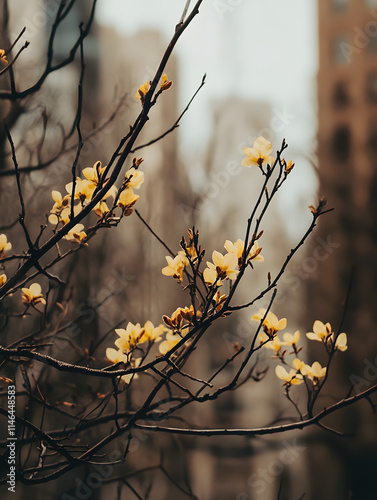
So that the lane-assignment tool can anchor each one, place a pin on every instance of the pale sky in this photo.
(256, 49)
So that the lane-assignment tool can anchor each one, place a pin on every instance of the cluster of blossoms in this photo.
(260, 154)
(83, 193)
(222, 266)
(129, 344)
(30, 296)
(5, 246)
(270, 339)
(143, 90)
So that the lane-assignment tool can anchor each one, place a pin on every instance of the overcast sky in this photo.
(257, 49)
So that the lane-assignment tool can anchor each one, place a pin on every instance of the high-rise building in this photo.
(347, 146)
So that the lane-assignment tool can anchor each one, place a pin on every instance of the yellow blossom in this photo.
(179, 315)
(223, 266)
(127, 198)
(321, 332)
(290, 339)
(142, 91)
(271, 324)
(3, 57)
(298, 365)
(288, 166)
(60, 202)
(130, 337)
(83, 189)
(64, 216)
(255, 253)
(341, 342)
(275, 344)
(131, 376)
(290, 378)
(117, 356)
(93, 176)
(314, 372)
(175, 266)
(171, 340)
(260, 153)
(3, 279)
(135, 178)
(152, 333)
(101, 209)
(4, 244)
(76, 234)
(236, 248)
(33, 295)
(165, 82)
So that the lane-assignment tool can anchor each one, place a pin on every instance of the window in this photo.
(342, 49)
(341, 98)
(372, 140)
(372, 88)
(340, 5)
(341, 143)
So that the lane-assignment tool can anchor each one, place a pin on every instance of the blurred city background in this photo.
(303, 71)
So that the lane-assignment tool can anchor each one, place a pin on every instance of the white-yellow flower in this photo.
(76, 234)
(176, 266)
(255, 253)
(33, 295)
(341, 342)
(130, 337)
(117, 356)
(260, 153)
(274, 344)
(135, 178)
(171, 340)
(271, 323)
(4, 244)
(127, 198)
(290, 339)
(93, 175)
(222, 267)
(3, 279)
(290, 378)
(236, 247)
(83, 189)
(321, 332)
(101, 209)
(314, 372)
(152, 333)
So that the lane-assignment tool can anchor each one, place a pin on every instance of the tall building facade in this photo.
(347, 147)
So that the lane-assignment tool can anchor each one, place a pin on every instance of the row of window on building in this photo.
(341, 5)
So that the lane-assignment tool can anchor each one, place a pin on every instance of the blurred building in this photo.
(347, 147)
